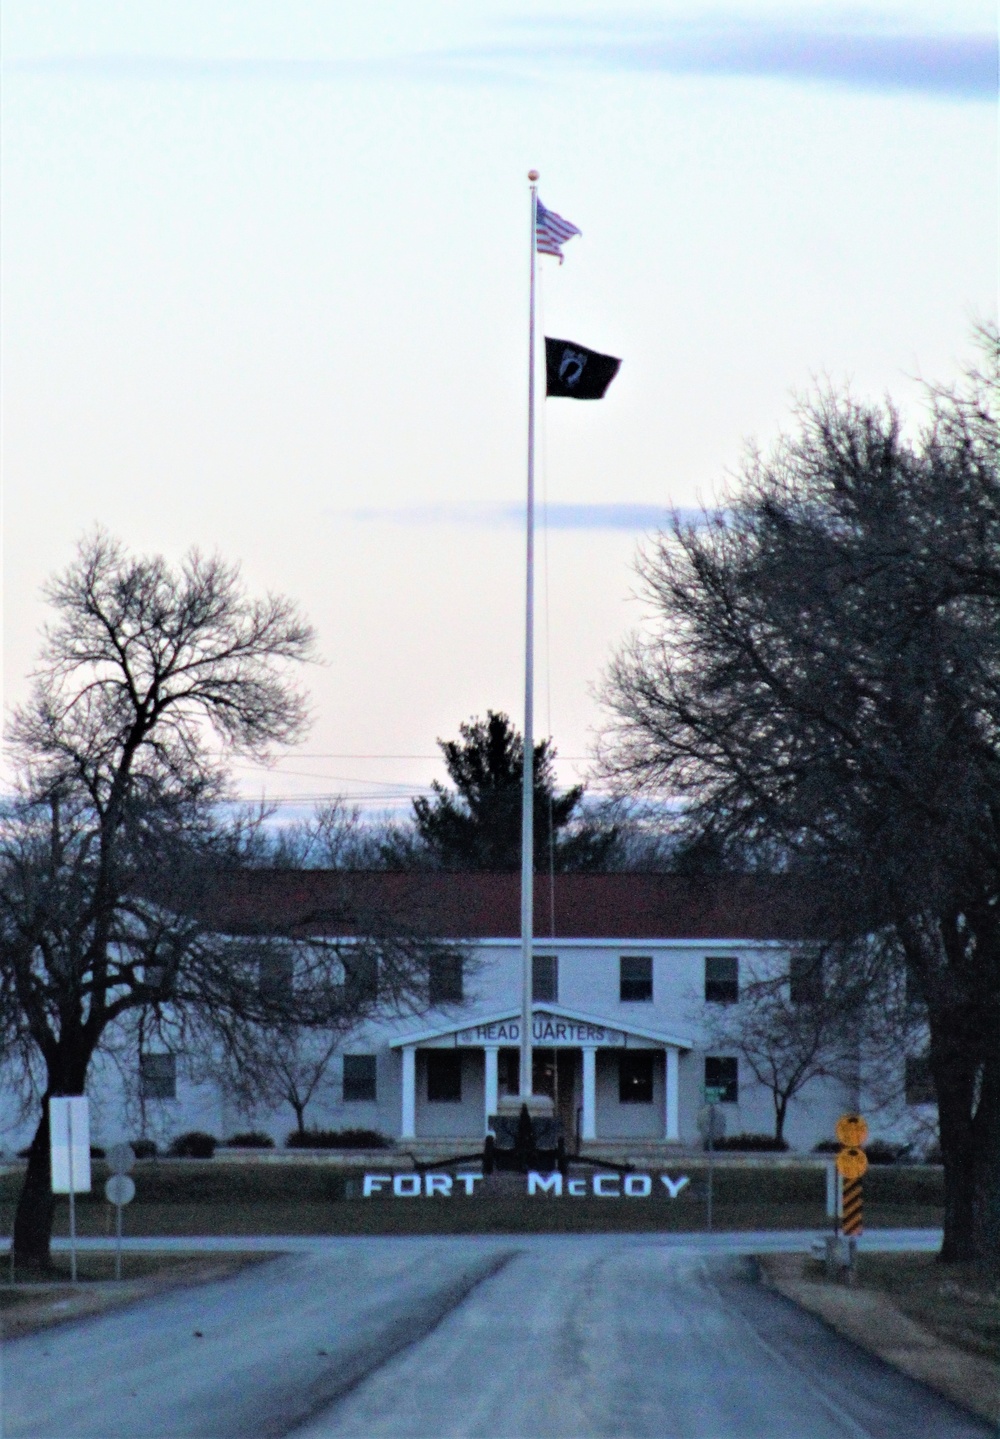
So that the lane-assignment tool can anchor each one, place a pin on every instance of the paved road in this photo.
(497, 1337)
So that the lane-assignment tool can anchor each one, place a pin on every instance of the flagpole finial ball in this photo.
(532, 175)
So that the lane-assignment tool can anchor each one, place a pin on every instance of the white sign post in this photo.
(119, 1190)
(712, 1123)
(69, 1152)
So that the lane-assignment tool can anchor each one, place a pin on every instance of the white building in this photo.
(630, 971)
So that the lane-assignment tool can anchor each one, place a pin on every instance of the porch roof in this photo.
(557, 1011)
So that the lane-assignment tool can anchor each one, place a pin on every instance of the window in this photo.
(545, 978)
(635, 977)
(919, 1081)
(635, 1077)
(158, 1076)
(359, 1079)
(722, 979)
(274, 978)
(361, 976)
(444, 1076)
(445, 979)
(722, 1074)
(805, 979)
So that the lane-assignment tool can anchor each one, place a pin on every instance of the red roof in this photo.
(488, 906)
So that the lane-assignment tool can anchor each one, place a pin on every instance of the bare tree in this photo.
(790, 1029)
(822, 679)
(117, 846)
(291, 1067)
(336, 836)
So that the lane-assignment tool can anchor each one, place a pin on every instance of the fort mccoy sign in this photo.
(552, 1185)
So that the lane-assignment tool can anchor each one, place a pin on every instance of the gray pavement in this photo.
(498, 1337)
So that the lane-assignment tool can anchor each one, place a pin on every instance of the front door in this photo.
(553, 1072)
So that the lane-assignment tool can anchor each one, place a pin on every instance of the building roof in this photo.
(487, 906)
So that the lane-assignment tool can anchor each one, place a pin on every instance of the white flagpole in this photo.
(528, 779)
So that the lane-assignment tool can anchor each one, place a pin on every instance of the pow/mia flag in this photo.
(575, 372)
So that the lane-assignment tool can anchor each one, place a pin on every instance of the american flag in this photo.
(551, 231)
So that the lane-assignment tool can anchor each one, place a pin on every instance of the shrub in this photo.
(96, 1152)
(337, 1139)
(762, 1143)
(144, 1148)
(194, 1145)
(880, 1151)
(252, 1139)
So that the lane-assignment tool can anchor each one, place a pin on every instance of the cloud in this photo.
(624, 515)
(835, 48)
(962, 65)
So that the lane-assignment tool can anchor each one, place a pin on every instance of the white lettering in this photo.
(437, 1184)
(547, 1183)
(406, 1186)
(576, 1187)
(372, 1183)
(674, 1185)
(599, 1189)
(638, 1186)
(469, 1181)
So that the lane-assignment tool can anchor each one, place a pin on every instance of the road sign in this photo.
(851, 1130)
(851, 1222)
(712, 1123)
(69, 1140)
(121, 1159)
(69, 1156)
(852, 1162)
(715, 1093)
(120, 1189)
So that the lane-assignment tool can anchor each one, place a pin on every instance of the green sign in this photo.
(714, 1094)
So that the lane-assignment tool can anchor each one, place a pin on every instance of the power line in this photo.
(281, 759)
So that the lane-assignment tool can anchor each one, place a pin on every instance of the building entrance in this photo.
(554, 1072)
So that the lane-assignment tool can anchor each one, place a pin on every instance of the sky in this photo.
(264, 292)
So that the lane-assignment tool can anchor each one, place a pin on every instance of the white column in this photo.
(672, 1095)
(409, 1092)
(492, 1086)
(589, 1124)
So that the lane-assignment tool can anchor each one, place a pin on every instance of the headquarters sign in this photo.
(547, 1031)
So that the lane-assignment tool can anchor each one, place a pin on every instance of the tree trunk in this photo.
(964, 1052)
(300, 1116)
(958, 1155)
(780, 1110)
(986, 1171)
(36, 1205)
(954, 1082)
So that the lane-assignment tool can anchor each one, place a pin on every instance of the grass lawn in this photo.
(954, 1301)
(180, 1197)
(31, 1302)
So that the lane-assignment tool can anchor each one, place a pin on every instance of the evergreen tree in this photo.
(477, 826)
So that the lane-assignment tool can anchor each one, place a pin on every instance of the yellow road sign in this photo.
(852, 1162)
(851, 1220)
(851, 1130)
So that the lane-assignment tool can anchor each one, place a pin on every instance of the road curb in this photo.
(870, 1320)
